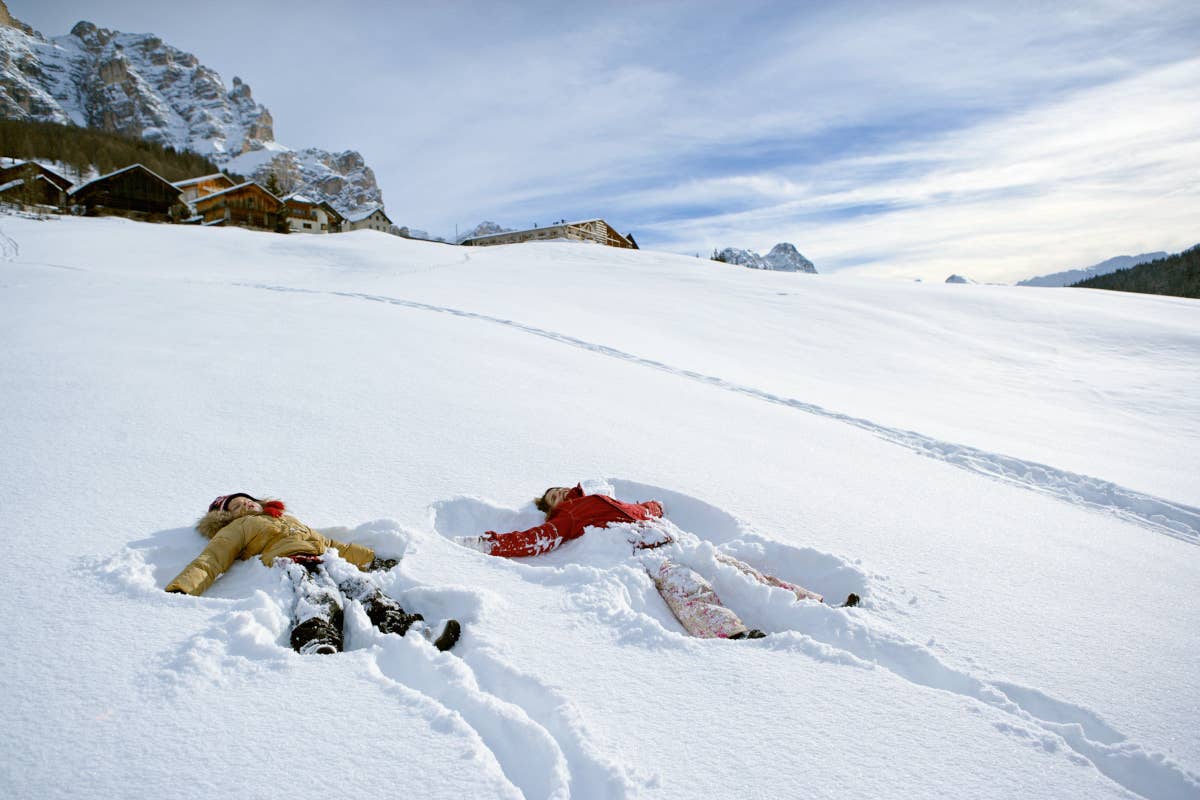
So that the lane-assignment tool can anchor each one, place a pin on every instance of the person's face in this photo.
(555, 495)
(243, 505)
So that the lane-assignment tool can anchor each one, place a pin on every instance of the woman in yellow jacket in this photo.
(241, 527)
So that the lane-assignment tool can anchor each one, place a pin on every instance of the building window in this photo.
(309, 225)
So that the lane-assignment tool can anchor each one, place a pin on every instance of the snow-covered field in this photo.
(1008, 476)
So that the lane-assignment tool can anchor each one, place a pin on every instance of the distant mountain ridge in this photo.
(1177, 275)
(1073, 276)
(783, 257)
(140, 86)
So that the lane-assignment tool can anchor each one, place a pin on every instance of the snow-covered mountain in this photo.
(784, 257)
(958, 279)
(1071, 276)
(139, 85)
(485, 228)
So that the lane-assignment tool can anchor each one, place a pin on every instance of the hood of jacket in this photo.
(211, 523)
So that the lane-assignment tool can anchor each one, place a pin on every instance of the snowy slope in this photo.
(1007, 477)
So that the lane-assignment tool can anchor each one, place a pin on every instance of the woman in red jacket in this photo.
(569, 512)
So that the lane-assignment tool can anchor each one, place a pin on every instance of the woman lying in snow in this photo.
(691, 598)
(241, 526)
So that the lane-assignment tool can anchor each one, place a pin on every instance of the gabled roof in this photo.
(193, 181)
(359, 216)
(45, 173)
(147, 170)
(545, 228)
(199, 200)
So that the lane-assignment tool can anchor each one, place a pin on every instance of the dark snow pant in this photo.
(317, 614)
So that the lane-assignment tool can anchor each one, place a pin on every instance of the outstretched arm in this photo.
(219, 556)
(531, 542)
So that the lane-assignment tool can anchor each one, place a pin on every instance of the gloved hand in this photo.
(382, 564)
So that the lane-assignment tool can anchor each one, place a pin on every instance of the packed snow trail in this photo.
(1177, 520)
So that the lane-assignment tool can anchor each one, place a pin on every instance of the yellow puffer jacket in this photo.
(240, 538)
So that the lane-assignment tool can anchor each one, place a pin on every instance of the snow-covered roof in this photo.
(78, 189)
(359, 216)
(12, 184)
(542, 228)
(192, 181)
(44, 172)
(299, 198)
(208, 197)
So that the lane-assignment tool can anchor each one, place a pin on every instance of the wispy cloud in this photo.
(900, 139)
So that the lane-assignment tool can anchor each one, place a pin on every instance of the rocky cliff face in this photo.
(138, 85)
(783, 257)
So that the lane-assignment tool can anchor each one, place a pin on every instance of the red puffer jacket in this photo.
(568, 520)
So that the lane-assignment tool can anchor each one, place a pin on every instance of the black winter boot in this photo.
(754, 633)
(318, 636)
(387, 615)
(451, 630)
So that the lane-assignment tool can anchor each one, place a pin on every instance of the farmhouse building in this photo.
(311, 216)
(195, 188)
(591, 230)
(133, 192)
(31, 184)
(373, 219)
(246, 205)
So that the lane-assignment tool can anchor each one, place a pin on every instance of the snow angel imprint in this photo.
(690, 597)
(241, 526)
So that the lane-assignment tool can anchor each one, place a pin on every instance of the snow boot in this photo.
(318, 636)
(851, 601)
(754, 633)
(448, 637)
(387, 615)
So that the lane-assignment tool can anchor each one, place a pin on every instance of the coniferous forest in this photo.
(82, 149)
(1177, 275)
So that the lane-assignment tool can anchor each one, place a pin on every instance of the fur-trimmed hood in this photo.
(211, 523)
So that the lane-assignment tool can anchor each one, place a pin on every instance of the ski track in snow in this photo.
(1177, 520)
(623, 597)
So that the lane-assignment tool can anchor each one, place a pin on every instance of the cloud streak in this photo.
(894, 139)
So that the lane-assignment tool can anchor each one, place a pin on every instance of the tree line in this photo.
(81, 149)
(1177, 275)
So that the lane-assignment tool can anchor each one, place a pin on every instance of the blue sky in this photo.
(995, 140)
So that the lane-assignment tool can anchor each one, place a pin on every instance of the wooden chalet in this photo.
(374, 220)
(590, 230)
(31, 184)
(195, 188)
(246, 205)
(133, 192)
(312, 216)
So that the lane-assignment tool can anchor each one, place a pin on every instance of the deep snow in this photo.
(1008, 476)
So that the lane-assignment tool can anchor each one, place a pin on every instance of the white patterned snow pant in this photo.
(695, 603)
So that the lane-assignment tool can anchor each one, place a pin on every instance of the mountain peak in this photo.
(136, 84)
(783, 257)
(9, 21)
